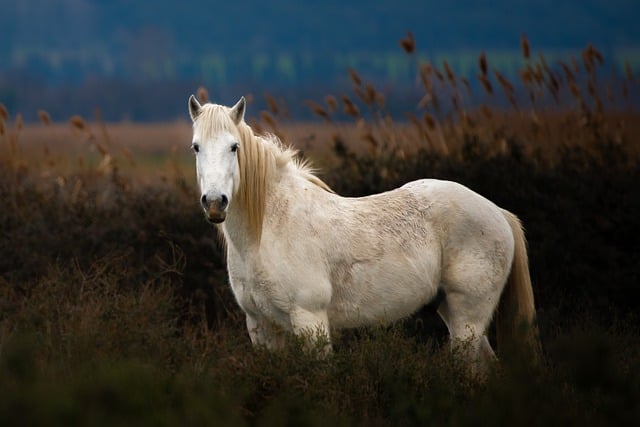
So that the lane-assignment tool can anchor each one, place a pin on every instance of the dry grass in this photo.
(159, 151)
(149, 152)
(550, 109)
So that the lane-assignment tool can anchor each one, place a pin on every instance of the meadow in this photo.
(114, 301)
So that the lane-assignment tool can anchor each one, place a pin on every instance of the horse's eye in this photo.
(195, 147)
(234, 147)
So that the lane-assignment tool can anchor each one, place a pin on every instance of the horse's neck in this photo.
(239, 232)
(236, 231)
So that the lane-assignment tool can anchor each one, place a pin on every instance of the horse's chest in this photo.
(255, 293)
(245, 290)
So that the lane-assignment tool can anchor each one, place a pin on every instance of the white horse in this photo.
(304, 259)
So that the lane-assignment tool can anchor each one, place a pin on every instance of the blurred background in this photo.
(114, 298)
(138, 61)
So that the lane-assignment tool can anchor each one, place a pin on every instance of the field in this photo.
(115, 307)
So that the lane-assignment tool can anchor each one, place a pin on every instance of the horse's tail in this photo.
(515, 319)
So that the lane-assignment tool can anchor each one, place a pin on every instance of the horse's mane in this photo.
(260, 157)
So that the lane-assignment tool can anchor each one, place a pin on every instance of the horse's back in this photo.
(458, 209)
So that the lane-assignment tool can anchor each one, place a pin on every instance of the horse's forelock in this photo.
(213, 119)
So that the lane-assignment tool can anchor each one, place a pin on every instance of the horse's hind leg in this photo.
(467, 319)
(472, 281)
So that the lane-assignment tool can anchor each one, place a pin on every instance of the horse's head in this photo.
(215, 144)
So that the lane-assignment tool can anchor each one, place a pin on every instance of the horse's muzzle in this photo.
(215, 208)
(215, 216)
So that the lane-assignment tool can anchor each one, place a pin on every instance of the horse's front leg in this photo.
(313, 326)
(264, 333)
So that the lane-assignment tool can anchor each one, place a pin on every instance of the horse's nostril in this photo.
(223, 202)
(220, 202)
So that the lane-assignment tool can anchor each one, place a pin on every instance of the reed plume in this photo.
(486, 84)
(568, 74)
(467, 86)
(267, 118)
(272, 104)
(203, 94)
(450, 76)
(524, 46)
(526, 75)
(350, 108)
(331, 102)
(506, 85)
(44, 117)
(371, 94)
(456, 104)
(438, 74)
(355, 77)
(554, 87)
(429, 121)
(425, 71)
(408, 43)
(318, 110)
(416, 122)
(482, 62)
(77, 122)
(373, 142)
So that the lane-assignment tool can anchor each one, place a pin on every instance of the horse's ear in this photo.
(237, 111)
(194, 108)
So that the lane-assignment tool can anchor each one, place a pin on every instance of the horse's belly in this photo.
(381, 294)
(353, 315)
